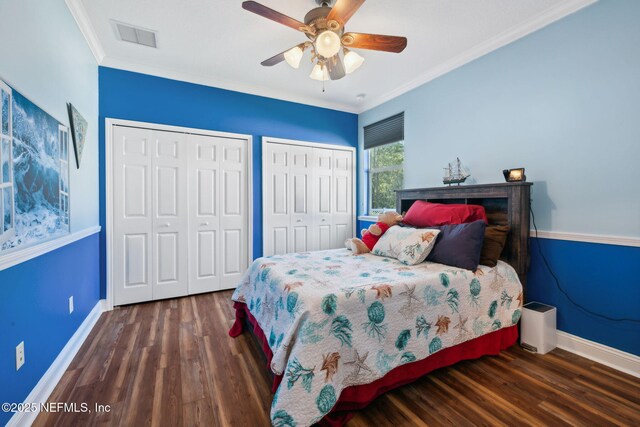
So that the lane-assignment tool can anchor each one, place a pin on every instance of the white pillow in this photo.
(408, 245)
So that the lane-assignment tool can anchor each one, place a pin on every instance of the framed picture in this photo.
(34, 173)
(78, 131)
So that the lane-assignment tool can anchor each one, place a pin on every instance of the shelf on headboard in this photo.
(505, 203)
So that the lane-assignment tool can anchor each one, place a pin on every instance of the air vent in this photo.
(131, 34)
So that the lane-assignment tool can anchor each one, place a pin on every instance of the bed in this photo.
(338, 330)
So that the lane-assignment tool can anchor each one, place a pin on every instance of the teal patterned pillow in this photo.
(408, 245)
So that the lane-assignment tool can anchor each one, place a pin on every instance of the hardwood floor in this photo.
(171, 363)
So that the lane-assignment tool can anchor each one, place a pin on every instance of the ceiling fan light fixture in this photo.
(324, 27)
(328, 44)
(352, 61)
(319, 72)
(293, 56)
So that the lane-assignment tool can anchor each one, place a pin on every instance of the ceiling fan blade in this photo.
(374, 42)
(276, 59)
(343, 10)
(273, 15)
(335, 66)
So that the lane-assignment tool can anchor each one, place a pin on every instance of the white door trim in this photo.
(108, 136)
(271, 140)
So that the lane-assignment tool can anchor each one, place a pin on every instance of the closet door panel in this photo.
(232, 252)
(168, 257)
(302, 216)
(170, 215)
(278, 242)
(324, 239)
(322, 191)
(136, 254)
(234, 217)
(343, 197)
(135, 190)
(342, 233)
(204, 220)
(276, 212)
(132, 217)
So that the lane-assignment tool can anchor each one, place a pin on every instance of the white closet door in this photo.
(308, 197)
(180, 213)
(132, 215)
(342, 197)
(234, 199)
(322, 193)
(301, 202)
(275, 199)
(170, 215)
(204, 218)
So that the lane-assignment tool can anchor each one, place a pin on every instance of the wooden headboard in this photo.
(505, 204)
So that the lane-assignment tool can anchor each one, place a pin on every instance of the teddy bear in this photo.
(371, 235)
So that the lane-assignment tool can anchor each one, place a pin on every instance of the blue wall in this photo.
(563, 103)
(603, 278)
(140, 97)
(34, 308)
(46, 58)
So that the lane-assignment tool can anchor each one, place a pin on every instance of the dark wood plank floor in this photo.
(171, 363)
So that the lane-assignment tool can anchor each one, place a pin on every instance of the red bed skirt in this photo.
(358, 397)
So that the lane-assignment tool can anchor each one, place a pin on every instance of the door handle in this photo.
(204, 224)
(166, 225)
(324, 219)
(299, 220)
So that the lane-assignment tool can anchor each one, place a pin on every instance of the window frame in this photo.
(63, 196)
(369, 171)
(10, 232)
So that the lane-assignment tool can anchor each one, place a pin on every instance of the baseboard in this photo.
(614, 358)
(50, 379)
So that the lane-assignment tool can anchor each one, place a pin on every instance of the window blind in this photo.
(384, 132)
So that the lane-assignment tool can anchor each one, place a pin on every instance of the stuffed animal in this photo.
(371, 235)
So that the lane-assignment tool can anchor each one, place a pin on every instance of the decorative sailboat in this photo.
(455, 173)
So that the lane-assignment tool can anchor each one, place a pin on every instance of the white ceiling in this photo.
(217, 43)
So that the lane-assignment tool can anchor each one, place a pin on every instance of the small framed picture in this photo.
(78, 131)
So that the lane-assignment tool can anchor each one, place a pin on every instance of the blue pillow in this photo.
(459, 245)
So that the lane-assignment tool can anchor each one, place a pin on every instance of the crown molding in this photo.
(551, 15)
(509, 36)
(81, 17)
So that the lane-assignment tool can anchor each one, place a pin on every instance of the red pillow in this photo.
(424, 214)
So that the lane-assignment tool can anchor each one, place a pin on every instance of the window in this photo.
(385, 174)
(384, 163)
(7, 215)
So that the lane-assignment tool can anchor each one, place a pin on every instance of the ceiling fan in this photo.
(324, 26)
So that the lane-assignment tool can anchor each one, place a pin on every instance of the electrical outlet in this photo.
(71, 304)
(19, 355)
